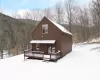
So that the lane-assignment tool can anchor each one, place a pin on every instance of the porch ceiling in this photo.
(43, 41)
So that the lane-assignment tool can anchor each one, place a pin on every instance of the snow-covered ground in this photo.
(83, 63)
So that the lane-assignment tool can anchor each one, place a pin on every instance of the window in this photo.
(37, 46)
(45, 28)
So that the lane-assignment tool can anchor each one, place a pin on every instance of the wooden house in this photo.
(49, 39)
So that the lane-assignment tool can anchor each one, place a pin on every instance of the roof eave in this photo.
(67, 33)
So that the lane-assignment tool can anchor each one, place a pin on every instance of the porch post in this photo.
(51, 51)
(47, 48)
(51, 47)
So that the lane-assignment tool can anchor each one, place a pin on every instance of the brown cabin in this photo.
(50, 38)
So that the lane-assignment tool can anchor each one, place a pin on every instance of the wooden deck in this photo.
(41, 55)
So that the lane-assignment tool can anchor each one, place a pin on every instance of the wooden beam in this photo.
(51, 48)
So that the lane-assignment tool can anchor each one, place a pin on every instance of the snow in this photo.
(6, 54)
(83, 63)
(53, 57)
(60, 27)
(43, 41)
(95, 40)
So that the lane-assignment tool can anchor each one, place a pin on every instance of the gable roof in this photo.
(60, 27)
(64, 30)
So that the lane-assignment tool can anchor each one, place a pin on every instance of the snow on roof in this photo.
(43, 41)
(61, 27)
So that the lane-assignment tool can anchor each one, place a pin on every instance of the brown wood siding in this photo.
(53, 34)
(33, 47)
(66, 44)
(44, 48)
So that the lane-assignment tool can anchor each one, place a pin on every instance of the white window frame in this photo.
(45, 28)
(37, 46)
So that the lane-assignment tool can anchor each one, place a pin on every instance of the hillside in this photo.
(6, 21)
(14, 32)
(29, 21)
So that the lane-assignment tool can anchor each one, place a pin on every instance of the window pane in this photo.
(45, 28)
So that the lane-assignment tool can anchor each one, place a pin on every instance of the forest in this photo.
(82, 21)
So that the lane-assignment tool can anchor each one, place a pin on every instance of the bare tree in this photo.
(16, 15)
(27, 15)
(81, 23)
(59, 12)
(47, 13)
(95, 11)
(69, 5)
(2, 44)
(84, 22)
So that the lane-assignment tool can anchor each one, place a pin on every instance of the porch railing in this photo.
(42, 55)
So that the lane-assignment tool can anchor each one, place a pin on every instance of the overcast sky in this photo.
(16, 5)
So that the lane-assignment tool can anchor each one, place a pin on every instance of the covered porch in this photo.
(43, 49)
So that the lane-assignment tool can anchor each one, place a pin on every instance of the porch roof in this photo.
(43, 41)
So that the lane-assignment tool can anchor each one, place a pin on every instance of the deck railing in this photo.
(41, 55)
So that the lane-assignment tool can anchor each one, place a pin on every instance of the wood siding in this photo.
(66, 44)
(53, 34)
